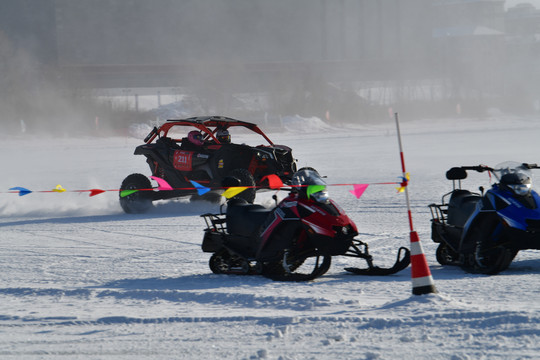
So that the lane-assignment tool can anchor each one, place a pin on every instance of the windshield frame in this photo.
(511, 167)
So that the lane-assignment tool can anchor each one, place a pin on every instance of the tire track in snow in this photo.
(146, 236)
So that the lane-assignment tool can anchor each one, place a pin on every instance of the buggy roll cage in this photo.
(204, 124)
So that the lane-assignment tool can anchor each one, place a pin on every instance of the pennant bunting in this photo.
(358, 190)
(271, 181)
(233, 191)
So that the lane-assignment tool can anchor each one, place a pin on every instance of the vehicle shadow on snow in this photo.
(517, 268)
(214, 281)
(188, 282)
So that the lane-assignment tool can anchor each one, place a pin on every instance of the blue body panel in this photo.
(510, 210)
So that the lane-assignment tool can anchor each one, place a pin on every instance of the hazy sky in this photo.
(511, 3)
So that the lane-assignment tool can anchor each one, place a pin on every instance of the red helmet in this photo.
(195, 137)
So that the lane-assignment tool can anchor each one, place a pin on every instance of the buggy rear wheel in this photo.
(138, 201)
(246, 179)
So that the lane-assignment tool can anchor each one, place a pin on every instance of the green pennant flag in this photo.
(312, 189)
(125, 193)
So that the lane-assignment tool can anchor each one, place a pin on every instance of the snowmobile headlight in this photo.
(520, 189)
(320, 196)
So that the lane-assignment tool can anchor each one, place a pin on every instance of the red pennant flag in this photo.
(274, 182)
(94, 192)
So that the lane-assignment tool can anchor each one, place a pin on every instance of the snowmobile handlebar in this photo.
(479, 168)
(531, 166)
(482, 168)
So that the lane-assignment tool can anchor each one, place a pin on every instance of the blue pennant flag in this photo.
(201, 190)
(22, 191)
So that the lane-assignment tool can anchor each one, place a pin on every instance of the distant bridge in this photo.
(237, 77)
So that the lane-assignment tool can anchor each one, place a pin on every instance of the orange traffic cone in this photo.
(422, 281)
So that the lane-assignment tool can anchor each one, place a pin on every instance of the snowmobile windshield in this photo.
(515, 176)
(310, 184)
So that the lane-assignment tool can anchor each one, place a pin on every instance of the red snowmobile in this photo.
(294, 241)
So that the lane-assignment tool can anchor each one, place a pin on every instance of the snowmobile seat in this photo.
(456, 173)
(461, 205)
(243, 218)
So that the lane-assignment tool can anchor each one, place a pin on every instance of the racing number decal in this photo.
(183, 160)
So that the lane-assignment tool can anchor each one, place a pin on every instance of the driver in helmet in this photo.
(223, 136)
(194, 141)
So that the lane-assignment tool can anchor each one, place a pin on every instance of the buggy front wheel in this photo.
(135, 202)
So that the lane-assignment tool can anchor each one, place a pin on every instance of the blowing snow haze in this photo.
(80, 64)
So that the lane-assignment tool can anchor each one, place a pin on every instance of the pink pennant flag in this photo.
(162, 184)
(358, 190)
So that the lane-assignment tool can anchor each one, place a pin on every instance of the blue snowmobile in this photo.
(483, 232)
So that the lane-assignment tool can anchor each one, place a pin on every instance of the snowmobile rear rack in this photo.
(215, 222)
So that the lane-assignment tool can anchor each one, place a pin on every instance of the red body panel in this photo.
(319, 221)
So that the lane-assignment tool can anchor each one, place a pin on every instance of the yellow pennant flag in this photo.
(59, 189)
(233, 191)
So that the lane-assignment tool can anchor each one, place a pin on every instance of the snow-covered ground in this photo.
(81, 279)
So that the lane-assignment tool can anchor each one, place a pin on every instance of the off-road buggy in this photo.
(173, 158)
